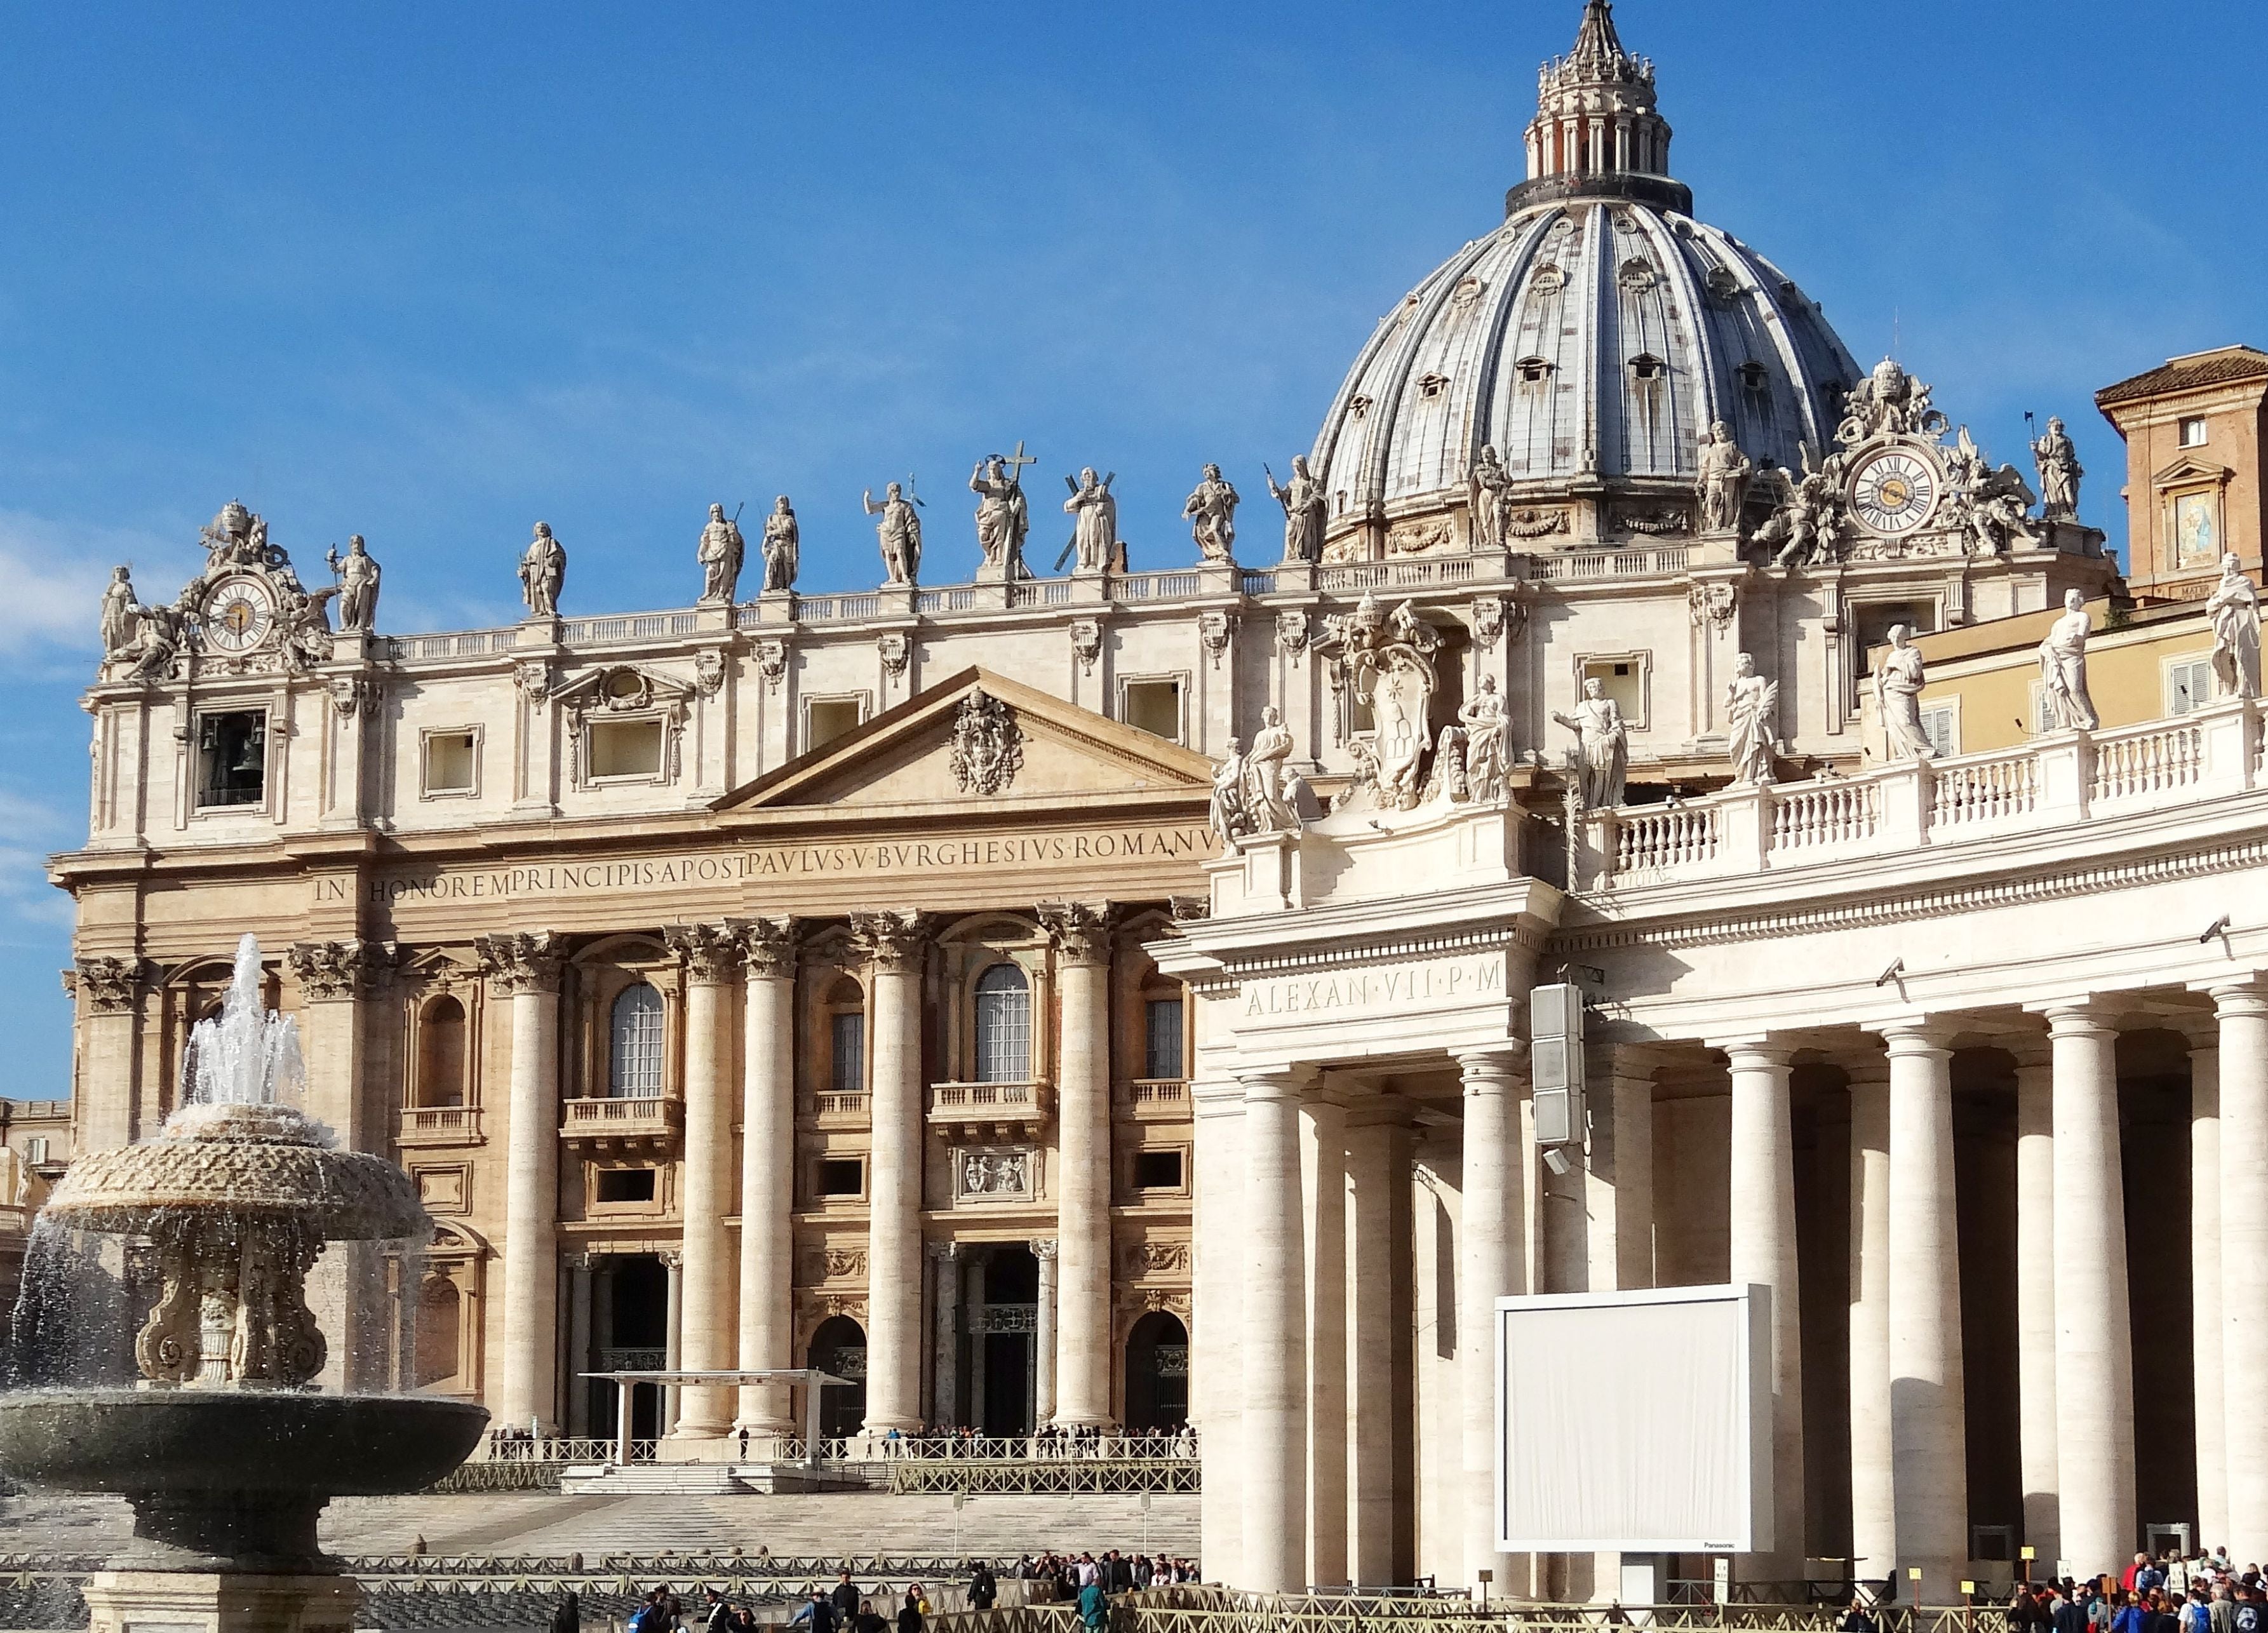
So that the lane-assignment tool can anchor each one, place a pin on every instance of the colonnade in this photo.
(737, 1297)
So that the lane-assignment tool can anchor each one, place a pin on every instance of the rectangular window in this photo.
(232, 759)
(848, 1041)
(36, 1149)
(1155, 707)
(1941, 726)
(827, 718)
(841, 1176)
(1162, 1051)
(2188, 684)
(449, 757)
(2193, 433)
(626, 1185)
(1157, 1171)
(1624, 680)
(625, 748)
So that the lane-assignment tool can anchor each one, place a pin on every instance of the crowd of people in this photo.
(1085, 1579)
(2170, 1593)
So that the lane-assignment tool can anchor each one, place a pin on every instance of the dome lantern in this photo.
(1596, 132)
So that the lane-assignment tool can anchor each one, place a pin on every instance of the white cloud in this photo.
(52, 573)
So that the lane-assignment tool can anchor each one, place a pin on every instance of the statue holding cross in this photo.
(1002, 517)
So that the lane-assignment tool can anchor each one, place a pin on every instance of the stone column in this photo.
(579, 1343)
(707, 1343)
(2243, 1007)
(897, 946)
(2206, 1283)
(1627, 1172)
(1378, 1164)
(524, 967)
(1274, 1460)
(1873, 1511)
(108, 992)
(945, 1281)
(1761, 1251)
(1929, 1458)
(1081, 935)
(672, 1263)
(1491, 1264)
(346, 1289)
(2095, 1358)
(2035, 1303)
(768, 1172)
(1217, 1329)
(1043, 1338)
(1322, 1175)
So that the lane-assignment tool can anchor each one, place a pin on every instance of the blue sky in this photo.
(430, 273)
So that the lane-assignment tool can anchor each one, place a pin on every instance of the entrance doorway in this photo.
(839, 1348)
(629, 1328)
(1157, 1374)
(1004, 1333)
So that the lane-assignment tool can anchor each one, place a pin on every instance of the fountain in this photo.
(223, 1448)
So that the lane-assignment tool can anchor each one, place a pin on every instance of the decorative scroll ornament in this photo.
(895, 651)
(326, 969)
(1292, 632)
(1711, 604)
(1215, 629)
(709, 673)
(521, 962)
(533, 680)
(771, 662)
(1086, 643)
(352, 695)
(768, 945)
(988, 746)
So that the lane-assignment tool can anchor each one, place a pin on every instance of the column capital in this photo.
(1274, 1082)
(706, 950)
(1044, 1248)
(2087, 1015)
(1756, 1052)
(2245, 993)
(768, 946)
(518, 961)
(673, 1259)
(895, 942)
(108, 985)
(942, 1252)
(329, 970)
(1914, 1035)
(1493, 1069)
(1079, 931)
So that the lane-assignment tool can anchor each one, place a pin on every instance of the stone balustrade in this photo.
(2053, 781)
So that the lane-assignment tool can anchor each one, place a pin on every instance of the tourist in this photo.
(983, 1587)
(820, 1613)
(568, 1617)
(844, 1598)
(1094, 1605)
(1858, 1619)
(716, 1615)
(868, 1620)
(909, 1614)
(2249, 1614)
(2221, 1614)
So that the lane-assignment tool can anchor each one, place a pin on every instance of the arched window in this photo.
(634, 1058)
(1004, 1025)
(441, 1053)
(440, 1322)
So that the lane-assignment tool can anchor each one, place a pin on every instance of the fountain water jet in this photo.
(225, 1454)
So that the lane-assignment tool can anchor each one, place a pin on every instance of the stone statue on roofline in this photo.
(781, 546)
(1752, 705)
(720, 553)
(1211, 509)
(900, 532)
(1723, 484)
(1897, 692)
(1601, 762)
(2057, 459)
(2234, 608)
(1305, 510)
(543, 573)
(357, 573)
(2063, 668)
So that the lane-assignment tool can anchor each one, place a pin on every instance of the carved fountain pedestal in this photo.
(225, 1453)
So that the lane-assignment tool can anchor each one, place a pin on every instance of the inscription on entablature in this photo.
(751, 863)
(1378, 989)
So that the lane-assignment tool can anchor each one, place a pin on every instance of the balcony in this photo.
(841, 1109)
(1155, 1100)
(439, 1125)
(968, 1112)
(608, 1126)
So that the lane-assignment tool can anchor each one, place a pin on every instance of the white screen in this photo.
(1630, 1421)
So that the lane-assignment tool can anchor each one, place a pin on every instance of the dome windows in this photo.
(1723, 282)
(1432, 386)
(1547, 281)
(1637, 276)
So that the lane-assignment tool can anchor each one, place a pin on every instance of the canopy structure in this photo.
(810, 1376)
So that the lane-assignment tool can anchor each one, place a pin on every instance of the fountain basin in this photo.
(234, 1475)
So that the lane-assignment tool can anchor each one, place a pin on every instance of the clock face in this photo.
(238, 615)
(1894, 492)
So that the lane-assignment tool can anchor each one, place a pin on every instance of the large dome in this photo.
(1593, 337)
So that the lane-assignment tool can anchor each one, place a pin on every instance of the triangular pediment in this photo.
(904, 760)
(2189, 467)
